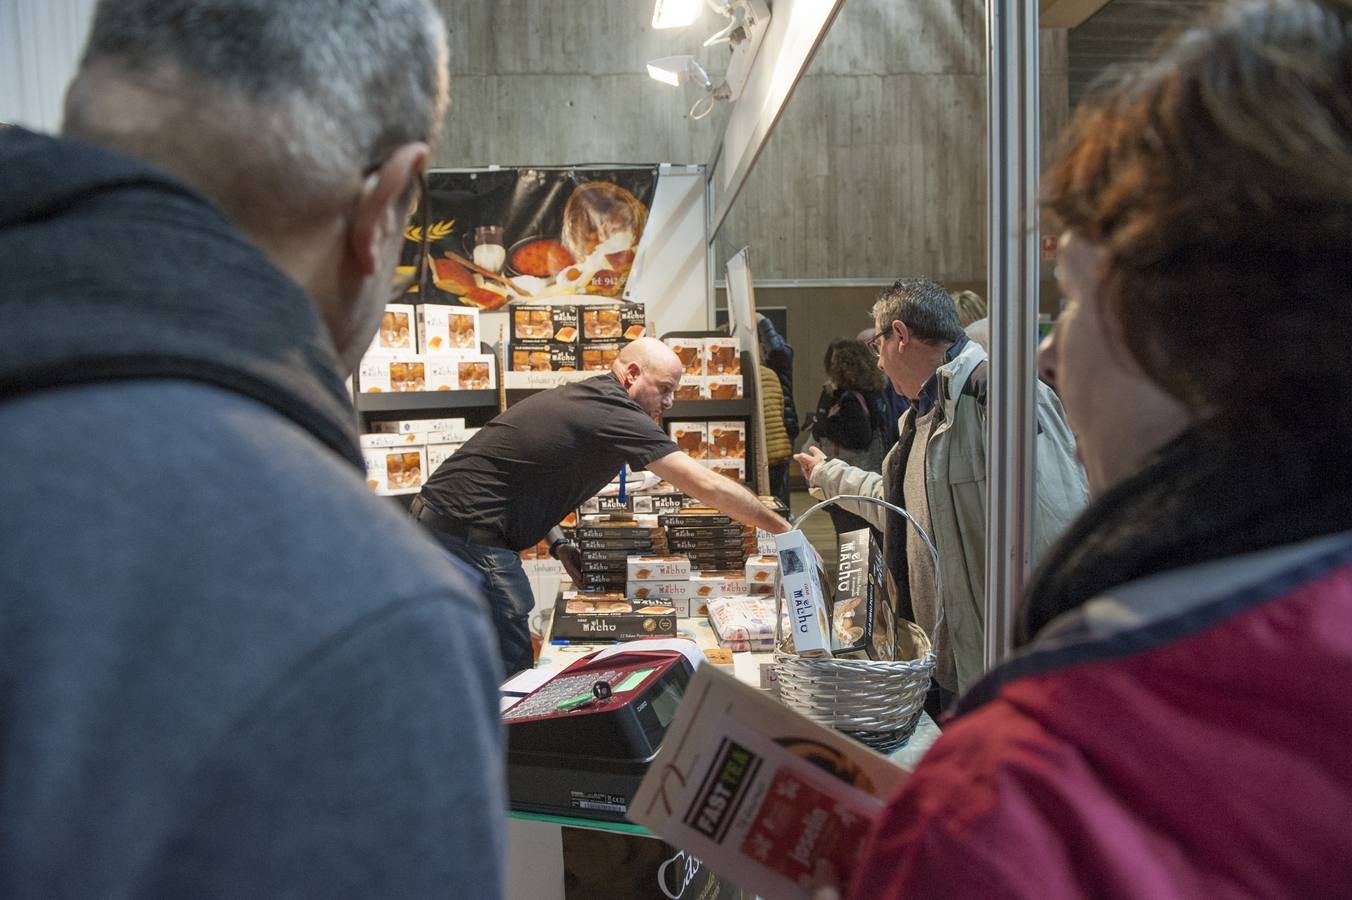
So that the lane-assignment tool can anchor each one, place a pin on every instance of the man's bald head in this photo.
(648, 353)
(649, 372)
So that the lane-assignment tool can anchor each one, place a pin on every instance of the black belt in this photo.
(443, 523)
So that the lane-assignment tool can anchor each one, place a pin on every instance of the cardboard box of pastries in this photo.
(722, 356)
(602, 323)
(727, 440)
(395, 470)
(693, 387)
(580, 616)
(633, 321)
(543, 356)
(380, 440)
(692, 438)
(443, 328)
(598, 357)
(418, 426)
(718, 584)
(658, 568)
(545, 323)
(725, 387)
(730, 468)
(396, 373)
(471, 372)
(397, 332)
(438, 454)
(691, 353)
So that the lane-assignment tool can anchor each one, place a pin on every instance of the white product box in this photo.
(438, 454)
(451, 437)
(725, 387)
(691, 353)
(693, 387)
(385, 373)
(443, 328)
(377, 441)
(397, 330)
(673, 589)
(760, 574)
(689, 607)
(801, 577)
(420, 426)
(658, 568)
(466, 372)
(692, 438)
(722, 356)
(727, 440)
(718, 584)
(732, 468)
(395, 470)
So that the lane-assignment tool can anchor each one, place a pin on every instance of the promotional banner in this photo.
(530, 234)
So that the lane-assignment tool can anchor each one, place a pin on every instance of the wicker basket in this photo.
(876, 702)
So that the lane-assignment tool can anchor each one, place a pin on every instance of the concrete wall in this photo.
(877, 168)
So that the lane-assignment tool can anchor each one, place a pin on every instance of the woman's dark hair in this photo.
(1218, 181)
(849, 365)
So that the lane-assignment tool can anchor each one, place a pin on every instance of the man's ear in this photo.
(377, 211)
(903, 333)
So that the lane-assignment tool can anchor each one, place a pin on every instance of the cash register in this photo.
(579, 744)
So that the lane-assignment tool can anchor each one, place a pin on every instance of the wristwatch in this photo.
(554, 547)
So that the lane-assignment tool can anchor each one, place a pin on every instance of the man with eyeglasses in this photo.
(226, 669)
(937, 472)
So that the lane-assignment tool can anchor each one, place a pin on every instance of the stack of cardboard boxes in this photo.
(428, 347)
(567, 338)
(400, 455)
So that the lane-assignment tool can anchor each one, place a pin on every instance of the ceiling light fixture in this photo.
(676, 70)
(676, 13)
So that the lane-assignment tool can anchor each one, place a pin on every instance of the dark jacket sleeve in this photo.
(779, 358)
(848, 421)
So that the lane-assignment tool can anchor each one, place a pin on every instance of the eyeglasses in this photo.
(422, 210)
(875, 343)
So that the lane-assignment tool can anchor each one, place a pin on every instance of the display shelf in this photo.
(709, 409)
(416, 400)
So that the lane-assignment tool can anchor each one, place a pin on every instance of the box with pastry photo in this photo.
(598, 357)
(602, 323)
(470, 372)
(418, 426)
(633, 321)
(729, 468)
(395, 470)
(727, 440)
(862, 624)
(446, 329)
(543, 356)
(725, 387)
(395, 372)
(533, 322)
(693, 387)
(692, 439)
(658, 568)
(722, 356)
(580, 616)
(397, 331)
(690, 351)
(438, 454)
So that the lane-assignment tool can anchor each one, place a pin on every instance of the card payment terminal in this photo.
(579, 744)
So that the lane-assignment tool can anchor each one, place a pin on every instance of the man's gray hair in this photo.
(301, 97)
(925, 307)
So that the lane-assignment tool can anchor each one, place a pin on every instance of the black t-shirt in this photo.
(525, 470)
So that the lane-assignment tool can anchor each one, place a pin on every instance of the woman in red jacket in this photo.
(1176, 722)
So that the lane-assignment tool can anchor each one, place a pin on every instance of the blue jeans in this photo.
(509, 596)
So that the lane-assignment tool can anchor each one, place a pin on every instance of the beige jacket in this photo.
(955, 479)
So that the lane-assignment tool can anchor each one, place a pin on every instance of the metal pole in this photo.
(1012, 272)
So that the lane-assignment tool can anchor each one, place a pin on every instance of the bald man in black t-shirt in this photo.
(512, 483)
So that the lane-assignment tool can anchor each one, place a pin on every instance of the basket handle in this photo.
(929, 545)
